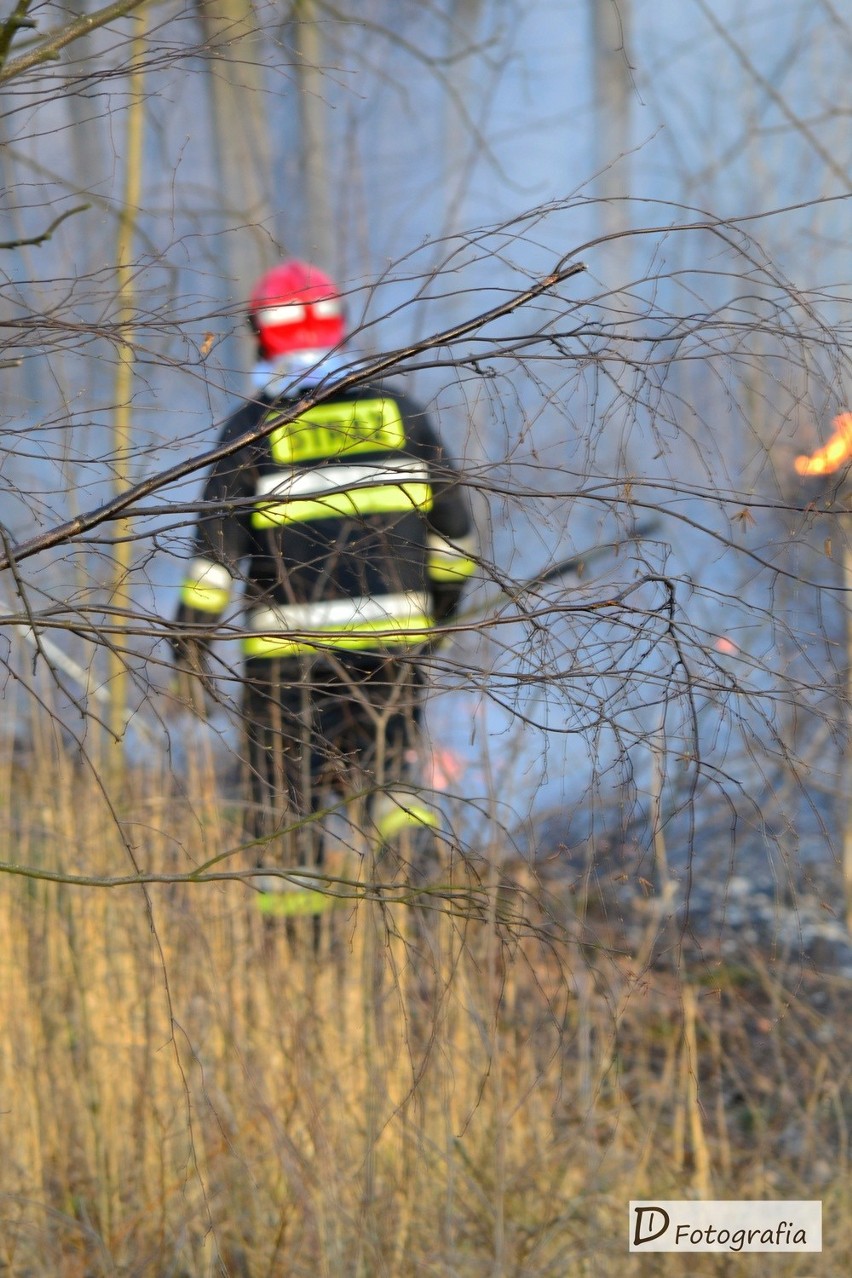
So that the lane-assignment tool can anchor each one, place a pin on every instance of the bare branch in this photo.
(361, 372)
(47, 49)
(16, 22)
(45, 235)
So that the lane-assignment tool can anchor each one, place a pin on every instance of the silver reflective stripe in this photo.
(329, 615)
(296, 485)
(327, 308)
(400, 809)
(204, 572)
(206, 587)
(286, 313)
(452, 561)
(458, 548)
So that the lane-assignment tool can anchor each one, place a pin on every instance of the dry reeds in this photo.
(189, 1090)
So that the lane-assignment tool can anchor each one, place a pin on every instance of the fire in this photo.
(835, 452)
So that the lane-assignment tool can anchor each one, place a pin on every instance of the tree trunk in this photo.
(240, 113)
(613, 87)
(318, 236)
(846, 798)
(123, 388)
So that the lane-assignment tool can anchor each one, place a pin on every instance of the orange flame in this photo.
(834, 453)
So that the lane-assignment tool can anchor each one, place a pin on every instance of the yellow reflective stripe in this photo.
(330, 430)
(403, 808)
(381, 499)
(451, 568)
(333, 615)
(205, 598)
(414, 814)
(360, 637)
(301, 902)
(297, 483)
(207, 586)
(451, 560)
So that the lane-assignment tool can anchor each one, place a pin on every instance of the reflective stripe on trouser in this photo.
(402, 808)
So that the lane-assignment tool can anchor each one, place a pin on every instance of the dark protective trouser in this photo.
(349, 724)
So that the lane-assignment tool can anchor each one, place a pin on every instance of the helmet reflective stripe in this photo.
(342, 491)
(328, 308)
(207, 586)
(290, 313)
(451, 561)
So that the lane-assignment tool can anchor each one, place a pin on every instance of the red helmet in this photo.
(295, 307)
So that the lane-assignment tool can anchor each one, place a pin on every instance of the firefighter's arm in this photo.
(452, 563)
(205, 593)
(192, 684)
(452, 545)
(220, 544)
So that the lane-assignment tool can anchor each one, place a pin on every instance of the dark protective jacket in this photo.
(347, 527)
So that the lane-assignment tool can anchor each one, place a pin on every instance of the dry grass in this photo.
(185, 1092)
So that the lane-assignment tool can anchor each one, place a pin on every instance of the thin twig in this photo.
(45, 235)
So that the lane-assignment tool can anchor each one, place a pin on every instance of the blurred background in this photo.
(437, 159)
(638, 729)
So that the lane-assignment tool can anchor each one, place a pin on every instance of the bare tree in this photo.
(632, 966)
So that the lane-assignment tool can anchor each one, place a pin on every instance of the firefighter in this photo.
(347, 538)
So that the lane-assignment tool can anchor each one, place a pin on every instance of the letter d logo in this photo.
(645, 1225)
